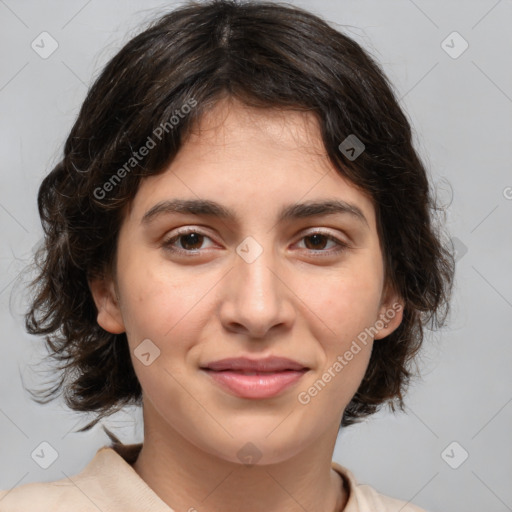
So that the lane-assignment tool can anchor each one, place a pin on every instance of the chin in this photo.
(259, 447)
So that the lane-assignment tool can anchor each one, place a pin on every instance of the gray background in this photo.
(461, 110)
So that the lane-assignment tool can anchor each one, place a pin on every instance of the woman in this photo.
(239, 239)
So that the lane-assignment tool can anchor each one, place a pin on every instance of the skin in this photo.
(299, 299)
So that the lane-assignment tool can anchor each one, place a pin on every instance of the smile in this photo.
(256, 379)
(256, 385)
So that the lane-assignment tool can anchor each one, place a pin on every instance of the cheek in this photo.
(347, 309)
(157, 301)
(159, 306)
(345, 304)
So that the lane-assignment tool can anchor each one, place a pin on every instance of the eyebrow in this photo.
(289, 212)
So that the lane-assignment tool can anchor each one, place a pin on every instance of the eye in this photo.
(190, 240)
(317, 241)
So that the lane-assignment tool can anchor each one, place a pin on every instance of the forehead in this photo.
(239, 155)
(230, 122)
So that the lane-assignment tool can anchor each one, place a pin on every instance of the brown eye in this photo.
(190, 241)
(318, 241)
(187, 242)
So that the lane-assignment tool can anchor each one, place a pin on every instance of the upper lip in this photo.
(269, 364)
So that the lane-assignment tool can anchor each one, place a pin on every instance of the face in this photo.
(194, 287)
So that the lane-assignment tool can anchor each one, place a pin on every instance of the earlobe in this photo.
(107, 303)
(390, 316)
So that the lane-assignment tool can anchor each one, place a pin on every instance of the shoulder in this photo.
(43, 497)
(107, 475)
(386, 503)
(364, 498)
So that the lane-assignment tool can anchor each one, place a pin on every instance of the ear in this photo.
(107, 303)
(391, 313)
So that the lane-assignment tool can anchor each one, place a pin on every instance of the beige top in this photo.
(110, 484)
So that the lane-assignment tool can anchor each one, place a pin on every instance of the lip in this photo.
(255, 378)
(267, 364)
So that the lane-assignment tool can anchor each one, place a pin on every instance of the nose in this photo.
(257, 298)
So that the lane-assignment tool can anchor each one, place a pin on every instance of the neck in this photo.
(189, 479)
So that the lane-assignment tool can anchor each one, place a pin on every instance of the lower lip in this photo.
(264, 385)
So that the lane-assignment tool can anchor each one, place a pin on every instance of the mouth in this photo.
(255, 379)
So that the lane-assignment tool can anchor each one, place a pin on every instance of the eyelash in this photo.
(168, 244)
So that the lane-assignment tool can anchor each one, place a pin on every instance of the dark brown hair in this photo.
(266, 55)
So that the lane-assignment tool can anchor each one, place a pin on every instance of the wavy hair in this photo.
(266, 55)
